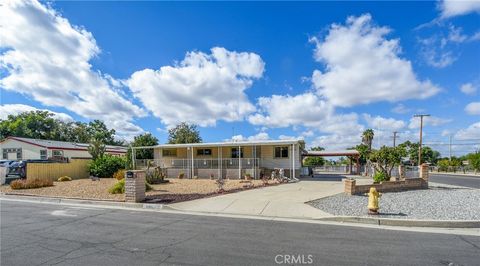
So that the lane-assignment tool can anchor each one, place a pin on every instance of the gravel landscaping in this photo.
(435, 203)
(174, 191)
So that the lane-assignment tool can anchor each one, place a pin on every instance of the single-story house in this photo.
(226, 159)
(16, 148)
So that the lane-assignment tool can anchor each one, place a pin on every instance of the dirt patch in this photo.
(174, 191)
(80, 188)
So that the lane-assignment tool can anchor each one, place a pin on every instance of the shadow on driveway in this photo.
(325, 177)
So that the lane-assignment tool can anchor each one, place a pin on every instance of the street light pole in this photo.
(420, 146)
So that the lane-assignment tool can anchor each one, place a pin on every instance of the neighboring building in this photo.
(16, 148)
(227, 159)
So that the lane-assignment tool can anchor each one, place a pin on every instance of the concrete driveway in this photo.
(286, 200)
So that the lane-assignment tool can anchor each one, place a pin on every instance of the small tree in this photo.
(96, 148)
(184, 133)
(314, 161)
(386, 158)
(443, 165)
(474, 161)
(142, 140)
(455, 163)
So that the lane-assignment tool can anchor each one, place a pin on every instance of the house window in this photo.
(281, 152)
(18, 152)
(169, 152)
(235, 152)
(43, 154)
(207, 152)
(57, 154)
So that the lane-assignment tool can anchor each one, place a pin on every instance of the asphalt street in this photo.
(457, 180)
(43, 234)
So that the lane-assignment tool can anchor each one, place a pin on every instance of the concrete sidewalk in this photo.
(287, 200)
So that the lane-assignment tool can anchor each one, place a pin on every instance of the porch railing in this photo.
(229, 163)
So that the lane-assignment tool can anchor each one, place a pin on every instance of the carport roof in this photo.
(332, 153)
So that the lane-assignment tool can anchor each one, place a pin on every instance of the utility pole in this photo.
(394, 137)
(420, 146)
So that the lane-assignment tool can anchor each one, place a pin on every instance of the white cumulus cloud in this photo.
(428, 121)
(201, 89)
(468, 89)
(378, 122)
(15, 109)
(363, 66)
(473, 108)
(471, 132)
(285, 110)
(451, 8)
(47, 58)
(259, 136)
(401, 109)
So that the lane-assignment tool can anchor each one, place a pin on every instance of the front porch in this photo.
(207, 168)
(232, 160)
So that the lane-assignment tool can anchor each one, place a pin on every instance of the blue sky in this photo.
(322, 71)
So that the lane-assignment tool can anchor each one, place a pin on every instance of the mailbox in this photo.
(129, 174)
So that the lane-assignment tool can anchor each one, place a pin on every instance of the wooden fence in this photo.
(3, 173)
(76, 169)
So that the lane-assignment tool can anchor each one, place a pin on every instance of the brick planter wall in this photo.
(387, 186)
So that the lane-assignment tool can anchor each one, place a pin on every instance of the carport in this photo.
(351, 154)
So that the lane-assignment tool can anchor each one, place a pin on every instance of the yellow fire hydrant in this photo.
(373, 196)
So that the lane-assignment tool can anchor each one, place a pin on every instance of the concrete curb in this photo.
(405, 222)
(86, 202)
(163, 207)
(455, 174)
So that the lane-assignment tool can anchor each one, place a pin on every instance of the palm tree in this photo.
(367, 138)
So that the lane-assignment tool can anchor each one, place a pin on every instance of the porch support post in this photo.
(254, 161)
(293, 160)
(358, 166)
(239, 162)
(193, 170)
(219, 166)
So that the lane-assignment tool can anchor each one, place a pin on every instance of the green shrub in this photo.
(148, 187)
(379, 177)
(120, 174)
(64, 178)
(31, 183)
(119, 187)
(106, 166)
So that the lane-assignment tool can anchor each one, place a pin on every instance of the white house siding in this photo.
(268, 159)
(73, 153)
(29, 151)
(32, 152)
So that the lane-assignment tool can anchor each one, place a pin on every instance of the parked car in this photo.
(6, 163)
(16, 170)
